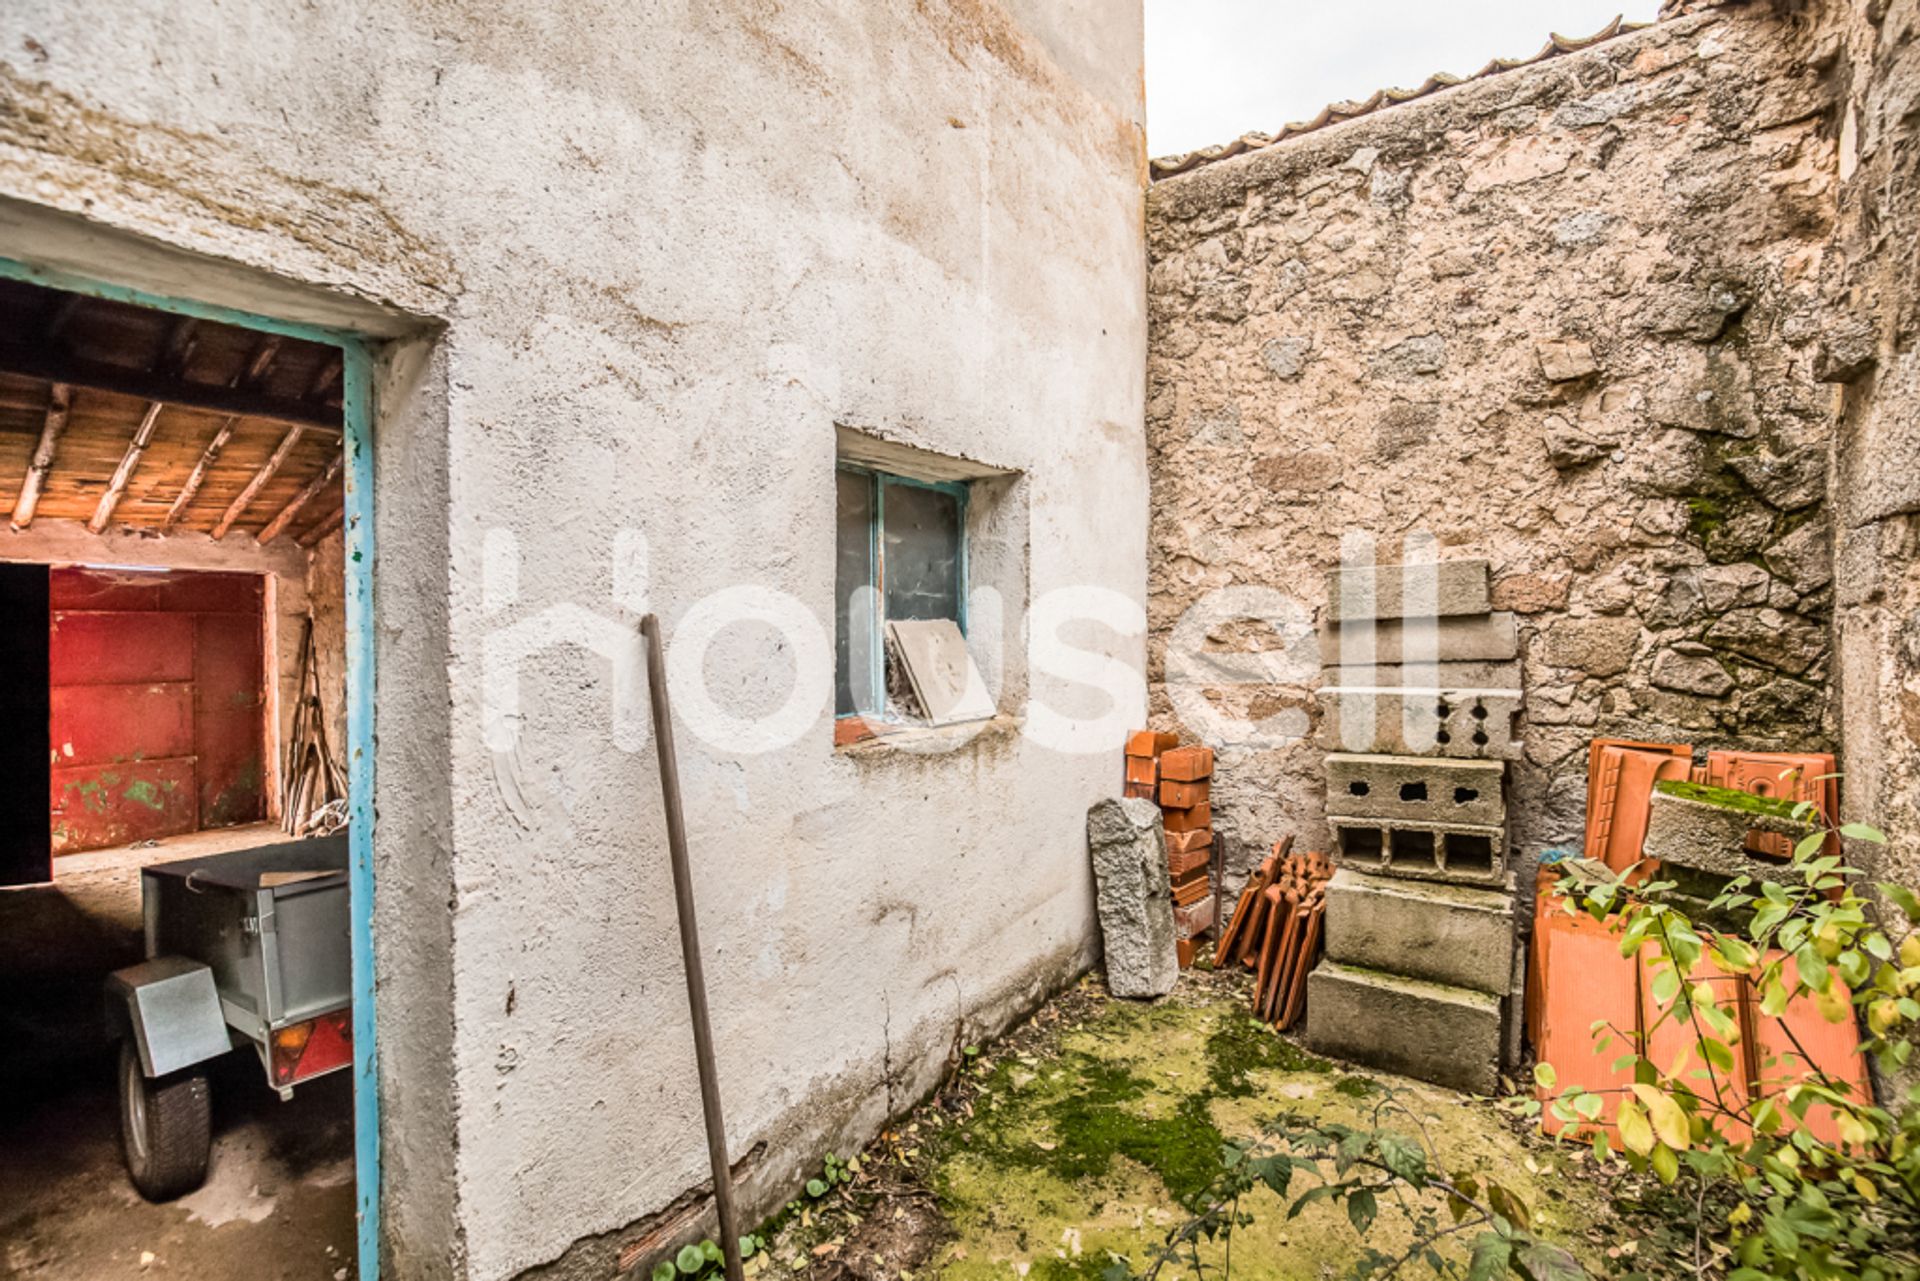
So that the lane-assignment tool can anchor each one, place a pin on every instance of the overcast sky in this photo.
(1219, 68)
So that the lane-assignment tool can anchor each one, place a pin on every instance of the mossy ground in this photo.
(1090, 1130)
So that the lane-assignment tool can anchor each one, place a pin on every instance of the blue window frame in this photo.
(900, 553)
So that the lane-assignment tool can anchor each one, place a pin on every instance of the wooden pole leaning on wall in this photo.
(690, 949)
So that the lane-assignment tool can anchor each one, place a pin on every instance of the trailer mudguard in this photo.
(171, 1009)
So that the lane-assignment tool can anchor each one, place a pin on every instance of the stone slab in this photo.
(1433, 1032)
(1436, 589)
(1476, 638)
(1134, 897)
(1712, 838)
(1457, 723)
(1442, 933)
(1468, 674)
(1417, 788)
(1456, 853)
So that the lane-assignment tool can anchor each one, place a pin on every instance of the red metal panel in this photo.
(114, 724)
(212, 594)
(229, 720)
(119, 648)
(95, 806)
(72, 587)
(158, 698)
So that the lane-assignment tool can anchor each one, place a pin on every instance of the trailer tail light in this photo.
(302, 1051)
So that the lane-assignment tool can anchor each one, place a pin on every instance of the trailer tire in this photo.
(166, 1127)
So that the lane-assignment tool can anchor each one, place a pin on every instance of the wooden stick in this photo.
(324, 526)
(59, 408)
(179, 351)
(301, 499)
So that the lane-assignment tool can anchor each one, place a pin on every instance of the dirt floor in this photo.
(278, 1202)
(1081, 1136)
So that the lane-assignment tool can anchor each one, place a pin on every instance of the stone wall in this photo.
(1872, 51)
(1565, 318)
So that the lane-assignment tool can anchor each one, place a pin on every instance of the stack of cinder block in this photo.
(1420, 690)
(1178, 779)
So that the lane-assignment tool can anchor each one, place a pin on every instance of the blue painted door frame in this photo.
(357, 383)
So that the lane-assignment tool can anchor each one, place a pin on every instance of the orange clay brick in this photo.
(1187, 764)
(1145, 791)
(1192, 892)
(1180, 796)
(1190, 820)
(1146, 742)
(1182, 842)
(1180, 865)
(1143, 769)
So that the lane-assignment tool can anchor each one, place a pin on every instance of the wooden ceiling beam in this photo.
(278, 524)
(59, 407)
(173, 361)
(271, 467)
(249, 378)
(45, 362)
(323, 527)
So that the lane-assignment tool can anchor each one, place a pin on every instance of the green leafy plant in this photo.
(1362, 1169)
(833, 1173)
(703, 1261)
(1772, 1198)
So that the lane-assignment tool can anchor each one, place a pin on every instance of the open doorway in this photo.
(173, 815)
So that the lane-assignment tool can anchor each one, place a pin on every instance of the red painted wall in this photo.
(158, 704)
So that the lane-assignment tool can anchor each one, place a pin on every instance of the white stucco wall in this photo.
(671, 246)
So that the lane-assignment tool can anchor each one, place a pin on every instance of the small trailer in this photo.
(247, 948)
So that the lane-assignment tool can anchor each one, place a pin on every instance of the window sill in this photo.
(863, 740)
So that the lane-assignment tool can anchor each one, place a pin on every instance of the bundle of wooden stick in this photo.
(1276, 930)
(311, 785)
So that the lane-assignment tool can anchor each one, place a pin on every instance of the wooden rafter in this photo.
(278, 524)
(59, 407)
(41, 360)
(172, 362)
(249, 378)
(323, 527)
(271, 467)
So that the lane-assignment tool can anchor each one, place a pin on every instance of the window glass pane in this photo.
(853, 570)
(921, 553)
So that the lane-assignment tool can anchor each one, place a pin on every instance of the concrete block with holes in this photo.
(1417, 789)
(1472, 724)
(1463, 853)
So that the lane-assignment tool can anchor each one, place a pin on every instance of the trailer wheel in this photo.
(166, 1128)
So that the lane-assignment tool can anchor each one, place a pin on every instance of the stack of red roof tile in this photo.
(1276, 930)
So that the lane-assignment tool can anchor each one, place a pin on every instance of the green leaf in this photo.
(690, 1259)
(1360, 1210)
(748, 1244)
(1665, 1164)
(816, 1188)
(1864, 832)
(665, 1271)
(1809, 845)
(1406, 1158)
(1492, 1253)
(713, 1252)
(1543, 1075)
(1545, 1262)
(1666, 985)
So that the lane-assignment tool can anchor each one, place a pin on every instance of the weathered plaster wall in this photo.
(672, 247)
(1874, 360)
(1562, 318)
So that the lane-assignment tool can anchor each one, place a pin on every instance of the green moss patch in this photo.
(1728, 798)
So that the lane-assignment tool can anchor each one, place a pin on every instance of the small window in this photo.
(901, 556)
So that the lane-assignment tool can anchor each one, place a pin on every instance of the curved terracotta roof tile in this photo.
(1339, 112)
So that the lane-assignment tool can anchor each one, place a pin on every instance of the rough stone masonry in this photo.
(1567, 319)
